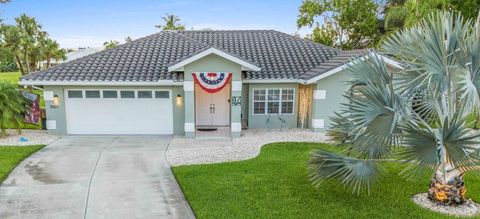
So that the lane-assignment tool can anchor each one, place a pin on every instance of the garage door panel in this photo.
(119, 116)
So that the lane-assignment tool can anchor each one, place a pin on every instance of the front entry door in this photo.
(212, 109)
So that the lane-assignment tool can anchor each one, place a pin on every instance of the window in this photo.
(273, 98)
(287, 101)
(75, 94)
(110, 94)
(92, 94)
(259, 101)
(162, 94)
(127, 94)
(145, 94)
(273, 101)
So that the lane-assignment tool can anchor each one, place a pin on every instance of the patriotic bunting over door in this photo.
(212, 82)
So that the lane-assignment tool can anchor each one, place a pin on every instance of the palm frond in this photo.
(340, 129)
(357, 174)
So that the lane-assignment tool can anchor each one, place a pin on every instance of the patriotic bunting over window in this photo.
(212, 82)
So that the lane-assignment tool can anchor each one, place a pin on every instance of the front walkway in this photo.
(95, 177)
(184, 151)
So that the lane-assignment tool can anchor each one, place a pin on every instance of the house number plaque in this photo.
(236, 101)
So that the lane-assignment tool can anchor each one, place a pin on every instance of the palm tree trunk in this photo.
(447, 187)
(19, 64)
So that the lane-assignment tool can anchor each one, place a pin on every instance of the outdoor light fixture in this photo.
(56, 102)
(179, 100)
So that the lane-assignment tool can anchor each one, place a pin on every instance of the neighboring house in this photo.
(175, 82)
(80, 52)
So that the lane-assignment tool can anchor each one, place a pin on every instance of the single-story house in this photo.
(180, 82)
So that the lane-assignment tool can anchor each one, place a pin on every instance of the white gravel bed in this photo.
(186, 151)
(35, 137)
(467, 209)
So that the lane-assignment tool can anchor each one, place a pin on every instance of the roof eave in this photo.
(387, 60)
(100, 83)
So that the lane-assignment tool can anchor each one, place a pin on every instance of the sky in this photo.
(89, 23)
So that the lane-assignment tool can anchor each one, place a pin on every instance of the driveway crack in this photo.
(93, 173)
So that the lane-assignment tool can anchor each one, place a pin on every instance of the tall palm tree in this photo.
(423, 108)
(30, 32)
(171, 23)
(110, 44)
(12, 105)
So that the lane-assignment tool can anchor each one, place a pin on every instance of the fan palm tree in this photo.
(423, 108)
(110, 44)
(171, 23)
(12, 105)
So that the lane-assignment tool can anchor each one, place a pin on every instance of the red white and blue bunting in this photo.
(212, 82)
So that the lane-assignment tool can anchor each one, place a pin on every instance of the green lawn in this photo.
(275, 185)
(11, 156)
(12, 77)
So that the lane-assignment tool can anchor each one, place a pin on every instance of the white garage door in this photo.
(119, 112)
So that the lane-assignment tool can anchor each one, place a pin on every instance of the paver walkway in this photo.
(95, 177)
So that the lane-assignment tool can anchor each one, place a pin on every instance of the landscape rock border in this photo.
(467, 209)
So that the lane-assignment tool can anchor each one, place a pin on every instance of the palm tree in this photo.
(51, 50)
(30, 33)
(110, 44)
(171, 23)
(423, 108)
(12, 105)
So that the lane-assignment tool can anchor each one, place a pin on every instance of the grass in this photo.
(11, 156)
(276, 185)
(14, 77)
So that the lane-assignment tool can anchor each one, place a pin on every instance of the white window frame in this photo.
(266, 101)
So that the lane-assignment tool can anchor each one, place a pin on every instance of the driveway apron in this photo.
(95, 177)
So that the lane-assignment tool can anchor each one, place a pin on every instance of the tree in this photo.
(4, 1)
(409, 12)
(349, 24)
(171, 23)
(51, 50)
(12, 105)
(110, 44)
(425, 111)
(26, 41)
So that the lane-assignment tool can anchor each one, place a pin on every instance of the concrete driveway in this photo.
(95, 177)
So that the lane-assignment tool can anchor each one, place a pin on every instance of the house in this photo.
(80, 52)
(180, 82)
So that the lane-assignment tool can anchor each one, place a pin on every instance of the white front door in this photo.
(212, 109)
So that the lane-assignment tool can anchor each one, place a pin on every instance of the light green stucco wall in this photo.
(272, 121)
(212, 63)
(335, 87)
(58, 114)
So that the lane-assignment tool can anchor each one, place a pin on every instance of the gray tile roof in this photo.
(279, 55)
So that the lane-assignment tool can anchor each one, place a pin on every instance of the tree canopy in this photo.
(355, 24)
(171, 22)
(28, 43)
(348, 24)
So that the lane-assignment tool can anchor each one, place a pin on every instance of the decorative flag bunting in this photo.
(212, 82)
